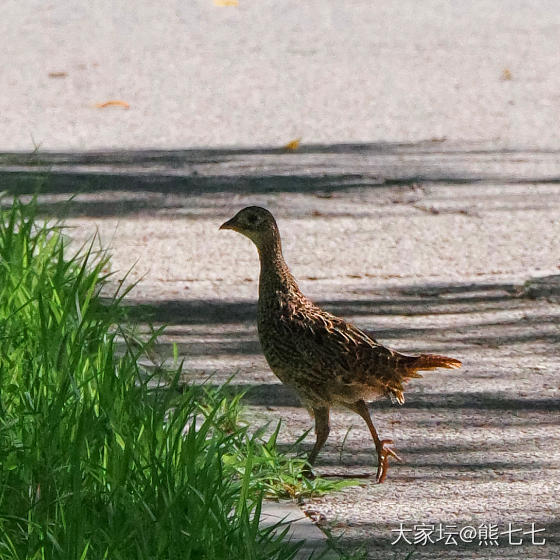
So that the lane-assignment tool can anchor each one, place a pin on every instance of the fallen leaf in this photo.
(293, 145)
(506, 74)
(225, 3)
(113, 103)
(57, 74)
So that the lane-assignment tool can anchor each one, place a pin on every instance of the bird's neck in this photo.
(275, 274)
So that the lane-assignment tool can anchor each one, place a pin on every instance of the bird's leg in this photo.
(322, 429)
(383, 452)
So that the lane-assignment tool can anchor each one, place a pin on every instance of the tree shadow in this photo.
(414, 300)
(147, 181)
(462, 301)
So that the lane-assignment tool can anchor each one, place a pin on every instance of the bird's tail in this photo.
(426, 362)
(411, 365)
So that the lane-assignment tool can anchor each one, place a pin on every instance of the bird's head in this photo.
(254, 222)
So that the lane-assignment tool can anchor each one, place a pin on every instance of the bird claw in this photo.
(383, 454)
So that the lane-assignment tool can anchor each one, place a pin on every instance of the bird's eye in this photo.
(252, 219)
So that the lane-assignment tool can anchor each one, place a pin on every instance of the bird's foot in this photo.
(383, 454)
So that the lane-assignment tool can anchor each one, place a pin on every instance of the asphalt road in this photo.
(262, 73)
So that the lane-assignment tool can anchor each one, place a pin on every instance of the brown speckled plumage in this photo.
(327, 360)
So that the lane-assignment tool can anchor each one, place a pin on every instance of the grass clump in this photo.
(96, 461)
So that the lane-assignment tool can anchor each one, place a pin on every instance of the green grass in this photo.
(97, 459)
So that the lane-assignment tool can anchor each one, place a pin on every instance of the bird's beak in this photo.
(230, 224)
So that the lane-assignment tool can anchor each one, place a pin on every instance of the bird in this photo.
(326, 359)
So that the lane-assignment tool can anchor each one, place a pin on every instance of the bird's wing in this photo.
(323, 338)
(326, 343)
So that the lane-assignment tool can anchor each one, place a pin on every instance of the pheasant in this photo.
(327, 360)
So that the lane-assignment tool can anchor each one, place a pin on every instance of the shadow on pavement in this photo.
(461, 300)
(280, 395)
(438, 299)
(136, 182)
